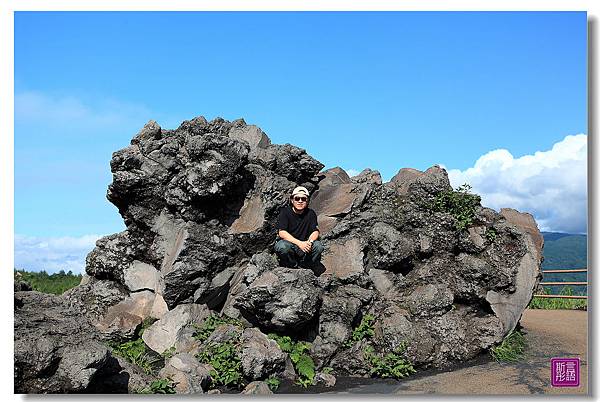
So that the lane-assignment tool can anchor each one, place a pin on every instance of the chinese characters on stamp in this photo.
(565, 372)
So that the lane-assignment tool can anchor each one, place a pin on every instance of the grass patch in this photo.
(558, 304)
(511, 349)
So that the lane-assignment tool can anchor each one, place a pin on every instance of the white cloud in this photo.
(551, 185)
(69, 111)
(53, 254)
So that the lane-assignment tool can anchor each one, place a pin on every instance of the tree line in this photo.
(56, 283)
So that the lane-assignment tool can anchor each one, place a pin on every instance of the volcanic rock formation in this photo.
(200, 204)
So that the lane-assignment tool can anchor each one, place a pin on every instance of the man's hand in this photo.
(305, 246)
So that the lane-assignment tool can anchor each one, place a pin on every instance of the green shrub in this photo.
(135, 352)
(491, 234)
(273, 383)
(285, 342)
(225, 361)
(327, 370)
(210, 323)
(223, 357)
(461, 204)
(393, 365)
(161, 386)
(511, 349)
(56, 283)
(168, 353)
(298, 352)
(363, 331)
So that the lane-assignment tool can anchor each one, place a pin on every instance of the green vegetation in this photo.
(491, 234)
(136, 351)
(298, 352)
(556, 304)
(42, 282)
(364, 330)
(167, 354)
(213, 321)
(273, 383)
(393, 365)
(160, 386)
(225, 361)
(327, 370)
(460, 204)
(223, 357)
(511, 349)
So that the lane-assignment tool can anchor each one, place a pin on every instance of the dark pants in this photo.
(291, 256)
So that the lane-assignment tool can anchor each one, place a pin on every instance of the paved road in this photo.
(550, 333)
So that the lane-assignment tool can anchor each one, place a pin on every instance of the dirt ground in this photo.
(549, 333)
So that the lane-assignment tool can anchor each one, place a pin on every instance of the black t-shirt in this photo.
(298, 225)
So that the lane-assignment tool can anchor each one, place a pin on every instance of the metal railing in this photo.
(561, 271)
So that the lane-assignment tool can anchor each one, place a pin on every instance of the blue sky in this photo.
(383, 90)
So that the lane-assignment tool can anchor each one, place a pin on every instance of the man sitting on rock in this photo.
(298, 232)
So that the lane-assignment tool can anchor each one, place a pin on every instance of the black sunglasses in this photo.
(300, 199)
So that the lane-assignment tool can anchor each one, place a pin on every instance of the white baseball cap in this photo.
(300, 190)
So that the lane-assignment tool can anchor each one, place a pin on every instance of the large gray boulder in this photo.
(200, 204)
(57, 350)
(187, 373)
(281, 299)
(163, 334)
(261, 357)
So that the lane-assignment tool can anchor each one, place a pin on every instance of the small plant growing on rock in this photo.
(136, 351)
(460, 204)
(160, 386)
(491, 234)
(223, 357)
(363, 331)
(394, 364)
(210, 323)
(511, 349)
(273, 383)
(168, 353)
(327, 370)
(225, 361)
(298, 352)
(285, 342)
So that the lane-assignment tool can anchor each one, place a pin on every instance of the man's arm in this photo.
(313, 236)
(284, 235)
(303, 245)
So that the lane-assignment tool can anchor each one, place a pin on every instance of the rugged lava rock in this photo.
(200, 204)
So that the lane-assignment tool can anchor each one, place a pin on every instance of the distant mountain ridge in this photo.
(565, 251)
